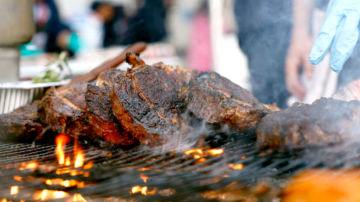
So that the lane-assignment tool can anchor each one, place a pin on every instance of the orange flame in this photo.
(61, 140)
(14, 190)
(78, 198)
(67, 161)
(79, 159)
(237, 166)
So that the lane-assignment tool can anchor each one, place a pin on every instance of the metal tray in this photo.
(17, 94)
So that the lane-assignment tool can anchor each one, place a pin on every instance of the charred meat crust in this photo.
(101, 121)
(325, 122)
(217, 100)
(145, 100)
(64, 111)
(22, 125)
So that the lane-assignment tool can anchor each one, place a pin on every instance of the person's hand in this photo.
(297, 56)
(340, 30)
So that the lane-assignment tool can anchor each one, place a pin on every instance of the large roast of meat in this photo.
(325, 122)
(145, 102)
(217, 100)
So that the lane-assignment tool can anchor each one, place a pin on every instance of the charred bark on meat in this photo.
(22, 125)
(216, 100)
(323, 123)
(145, 102)
(64, 111)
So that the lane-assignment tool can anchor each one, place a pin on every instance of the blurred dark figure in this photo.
(53, 35)
(148, 25)
(114, 20)
(264, 36)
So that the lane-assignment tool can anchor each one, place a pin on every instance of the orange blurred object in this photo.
(237, 166)
(49, 195)
(79, 159)
(215, 152)
(14, 190)
(199, 151)
(61, 140)
(78, 198)
(320, 185)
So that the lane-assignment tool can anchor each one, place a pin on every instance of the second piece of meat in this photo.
(216, 100)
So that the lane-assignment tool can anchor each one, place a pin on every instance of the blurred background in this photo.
(178, 33)
(262, 46)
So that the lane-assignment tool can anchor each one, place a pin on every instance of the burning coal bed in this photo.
(235, 172)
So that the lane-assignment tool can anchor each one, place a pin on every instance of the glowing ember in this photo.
(215, 152)
(18, 178)
(202, 160)
(49, 194)
(143, 169)
(243, 157)
(48, 182)
(79, 160)
(144, 178)
(237, 166)
(193, 151)
(142, 190)
(14, 190)
(78, 198)
(88, 165)
(197, 156)
(3, 200)
(61, 140)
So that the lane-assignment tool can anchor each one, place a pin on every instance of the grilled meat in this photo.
(64, 111)
(218, 101)
(100, 118)
(144, 99)
(348, 92)
(325, 122)
(22, 125)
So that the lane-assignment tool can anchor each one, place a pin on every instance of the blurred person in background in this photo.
(199, 52)
(52, 34)
(148, 24)
(113, 21)
(302, 43)
(264, 33)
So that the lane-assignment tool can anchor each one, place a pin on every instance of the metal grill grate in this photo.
(115, 172)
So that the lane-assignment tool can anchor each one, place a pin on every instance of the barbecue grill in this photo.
(151, 176)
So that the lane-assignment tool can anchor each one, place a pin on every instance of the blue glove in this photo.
(340, 31)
